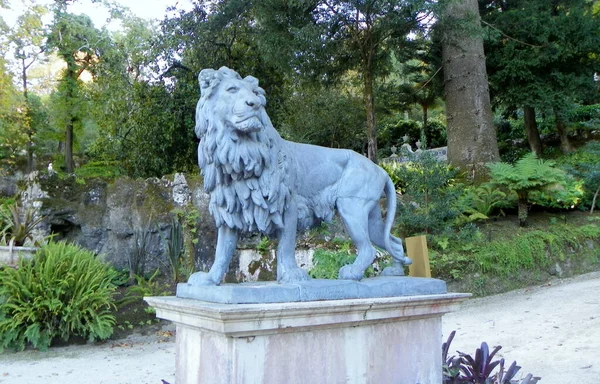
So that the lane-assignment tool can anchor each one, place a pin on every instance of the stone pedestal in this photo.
(373, 340)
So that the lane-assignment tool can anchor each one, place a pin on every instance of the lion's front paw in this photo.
(201, 278)
(294, 275)
(351, 272)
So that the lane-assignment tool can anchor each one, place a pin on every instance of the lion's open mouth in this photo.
(249, 124)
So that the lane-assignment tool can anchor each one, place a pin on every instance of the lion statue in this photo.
(259, 182)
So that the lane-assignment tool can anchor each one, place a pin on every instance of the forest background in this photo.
(365, 75)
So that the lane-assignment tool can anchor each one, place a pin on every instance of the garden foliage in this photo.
(64, 291)
(431, 193)
(527, 175)
(585, 165)
(17, 224)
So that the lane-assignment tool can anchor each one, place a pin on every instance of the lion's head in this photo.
(243, 167)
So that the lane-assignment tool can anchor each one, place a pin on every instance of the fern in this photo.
(64, 291)
(527, 175)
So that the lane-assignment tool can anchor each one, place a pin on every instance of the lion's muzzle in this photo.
(249, 124)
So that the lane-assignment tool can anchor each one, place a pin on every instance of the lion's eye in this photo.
(232, 89)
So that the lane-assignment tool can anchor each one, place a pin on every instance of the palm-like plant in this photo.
(18, 224)
(527, 175)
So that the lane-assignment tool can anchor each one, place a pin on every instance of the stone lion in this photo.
(259, 182)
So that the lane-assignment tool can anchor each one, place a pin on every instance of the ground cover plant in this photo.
(64, 291)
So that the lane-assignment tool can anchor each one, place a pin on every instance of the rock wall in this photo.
(109, 218)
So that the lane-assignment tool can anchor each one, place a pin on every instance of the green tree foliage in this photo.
(326, 38)
(138, 114)
(12, 139)
(542, 55)
(63, 291)
(323, 116)
(80, 45)
(527, 175)
(430, 195)
(27, 39)
(584, 164)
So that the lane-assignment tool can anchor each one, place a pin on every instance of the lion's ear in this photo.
(205, 79)
(252, 80)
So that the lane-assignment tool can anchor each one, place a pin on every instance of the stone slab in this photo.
(313, 290)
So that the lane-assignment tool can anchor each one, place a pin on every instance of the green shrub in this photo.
(63, 291)
(480, 202)
(430, 200)
(584, 165)
(586, 117)
(563, 196)
(527, 175)
(327, 262)
(101, 169)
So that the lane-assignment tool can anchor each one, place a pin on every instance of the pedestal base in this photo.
(377, 340)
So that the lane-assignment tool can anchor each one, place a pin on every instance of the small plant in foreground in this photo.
(63, 291)
(17, 224)
(480, 368)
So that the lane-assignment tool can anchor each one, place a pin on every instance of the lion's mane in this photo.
(244, 173)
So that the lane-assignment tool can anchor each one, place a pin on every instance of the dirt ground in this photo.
(552, 331)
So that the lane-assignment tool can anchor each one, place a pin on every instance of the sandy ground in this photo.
(137, 359)
(552, 331)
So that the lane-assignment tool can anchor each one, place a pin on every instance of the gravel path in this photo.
(552, 331)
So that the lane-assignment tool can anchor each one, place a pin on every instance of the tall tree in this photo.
(327, 37)
(27, 38)
(471, 133)
(79, 44)
(541, 56)
(12, 139)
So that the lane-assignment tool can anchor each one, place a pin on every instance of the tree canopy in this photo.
(366, 75)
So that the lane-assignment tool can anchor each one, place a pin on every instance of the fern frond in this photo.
(62, 292)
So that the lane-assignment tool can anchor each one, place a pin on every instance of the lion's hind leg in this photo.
(377, 234)
(355, 215)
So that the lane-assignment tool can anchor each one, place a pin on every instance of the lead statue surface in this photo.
(259, 182)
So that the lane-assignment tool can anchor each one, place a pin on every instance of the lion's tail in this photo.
(390, 192)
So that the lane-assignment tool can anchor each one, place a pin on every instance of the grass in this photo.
(504, 256)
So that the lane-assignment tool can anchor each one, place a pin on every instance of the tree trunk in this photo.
(370, 110)
(28, 126)
(561, 127)
(424, 142)
(523, 211)
(471, 134)
(594, 200)
(531, 128)
(72, 79)
(69, 163)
